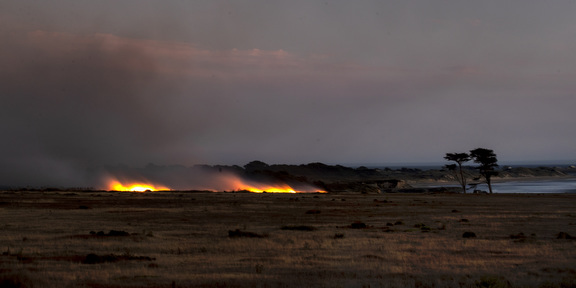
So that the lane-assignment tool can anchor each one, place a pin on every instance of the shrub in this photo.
(563, 235)
(425, 229)
(518, 236)
(238, 233)
(493, 282)
(95, 259)
(313, 211)
(358, 225)
(111, 233)
(300, 228)
(118, 233)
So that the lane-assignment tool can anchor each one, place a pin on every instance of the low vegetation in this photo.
(176, 239)
(298, 227)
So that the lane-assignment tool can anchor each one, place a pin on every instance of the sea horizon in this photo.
(439, 165)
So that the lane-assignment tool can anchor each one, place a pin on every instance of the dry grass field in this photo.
(178, 239)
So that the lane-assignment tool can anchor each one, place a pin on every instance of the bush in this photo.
(118, 233)
(238, 233)
(518, 236)
(111, 233)
(493, 282)
(358, 225)
(96, 259)
(300, 228)
(563, 235)
(338, 236)
(313, 211)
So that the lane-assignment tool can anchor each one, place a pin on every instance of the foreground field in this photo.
(170, 239)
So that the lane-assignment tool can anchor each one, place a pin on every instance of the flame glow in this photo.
(225, 182)
(134, 187)
(238, 184)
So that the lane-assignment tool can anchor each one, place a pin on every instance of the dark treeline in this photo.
(324, 176)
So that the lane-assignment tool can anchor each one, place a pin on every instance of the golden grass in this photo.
(45, 237)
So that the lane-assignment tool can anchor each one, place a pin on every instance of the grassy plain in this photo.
(180, 239)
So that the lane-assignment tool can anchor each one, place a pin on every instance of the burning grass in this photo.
(115, 185)
(521, 240)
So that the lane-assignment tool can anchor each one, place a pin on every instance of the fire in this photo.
(135, 187)
(267, 189)
(225, 182)
(240, 185)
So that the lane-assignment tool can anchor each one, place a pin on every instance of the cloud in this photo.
(178, 58)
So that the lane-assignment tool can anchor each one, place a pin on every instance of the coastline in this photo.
(534, 178)
(497, 180)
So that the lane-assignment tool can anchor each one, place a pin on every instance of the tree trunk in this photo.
(462, 180)
(489, 184)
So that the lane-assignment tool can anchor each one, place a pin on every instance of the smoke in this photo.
(89, 85)
(176, 177)
(205, 177)
(72, 103)
(76, 103)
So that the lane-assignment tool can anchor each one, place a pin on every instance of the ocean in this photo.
(516, 186)
(524, 186)
(534, 186)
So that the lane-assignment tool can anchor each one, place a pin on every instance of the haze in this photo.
(90, 83)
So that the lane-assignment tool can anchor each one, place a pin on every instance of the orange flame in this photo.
(227, 183)
(134, 187)
(241, 185)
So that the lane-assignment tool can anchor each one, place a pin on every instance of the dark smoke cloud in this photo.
(72, 103)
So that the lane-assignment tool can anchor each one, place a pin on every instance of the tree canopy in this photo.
(486, 158)
(459, 158)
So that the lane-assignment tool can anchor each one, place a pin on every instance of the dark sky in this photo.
(91, 83)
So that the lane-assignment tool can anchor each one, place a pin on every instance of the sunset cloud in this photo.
(169, 57)
(189, 60)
